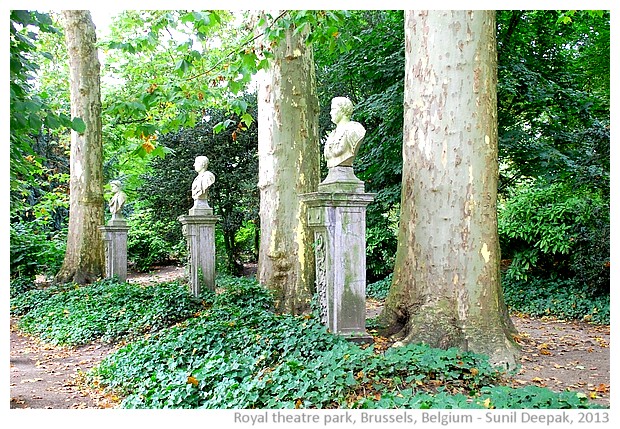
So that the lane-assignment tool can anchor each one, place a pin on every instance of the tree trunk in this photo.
(446, 288)
(84, 259)
(288, 152)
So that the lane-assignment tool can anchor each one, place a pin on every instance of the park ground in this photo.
(556, 354)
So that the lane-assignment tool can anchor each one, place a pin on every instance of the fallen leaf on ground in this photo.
(602, 388)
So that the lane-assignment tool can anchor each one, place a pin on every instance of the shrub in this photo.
(557, 231)
(32, 297)
(246, 239)
(499, 397)
(35, 250)
(106, 310)
(19, 285)
(531, 397)
(153, 241)
(380, 245)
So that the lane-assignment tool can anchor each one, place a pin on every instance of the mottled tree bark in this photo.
(446, 289)
(84, 259)
(288, 151)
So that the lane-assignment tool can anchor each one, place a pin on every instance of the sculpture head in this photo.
(342, 107)
(115, 185)
(201, 163)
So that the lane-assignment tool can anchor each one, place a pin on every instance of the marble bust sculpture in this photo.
(343, 143)
(117, 201)
(201, 183)
(341, 147)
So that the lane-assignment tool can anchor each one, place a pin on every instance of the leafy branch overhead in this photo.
(31, 112)
(190, 61)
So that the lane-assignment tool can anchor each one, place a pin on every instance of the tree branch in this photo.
(514, 20)
(230, 54)
(132, 121)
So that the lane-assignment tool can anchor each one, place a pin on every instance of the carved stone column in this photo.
(115, 241)
(199, 231)
(337, 218)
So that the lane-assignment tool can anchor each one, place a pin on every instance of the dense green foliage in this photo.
(239, 354)
(497, 397)
(379, 289)
(171, 92)
(31, 111)
(107, 311)
(557, 231)
(553, 96)
(209, 62)
(153, 240)
(38, 145)
(34, 250)
(553, 114)
(166, 190)
(565, 299)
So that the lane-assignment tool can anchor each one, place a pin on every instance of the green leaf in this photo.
(247, 119)
(159, 151)
(78, 125)
(215, 16)
(218, 128)
(263, 64)
(139, 151)
(188, 17)
(136, 105)
(182, 66)
(239, 106)
(34, 121)
(52, 121)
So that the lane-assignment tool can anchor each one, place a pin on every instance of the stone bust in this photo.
(204, 179)
(343, 143)
(118, 200)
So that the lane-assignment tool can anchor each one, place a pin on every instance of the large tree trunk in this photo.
(288, 152)
(84, 259)
(446, 288)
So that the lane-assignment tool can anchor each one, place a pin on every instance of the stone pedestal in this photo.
(115, 241)
(337, 217)
(199, 231)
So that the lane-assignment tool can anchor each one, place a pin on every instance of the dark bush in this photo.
(233, 159)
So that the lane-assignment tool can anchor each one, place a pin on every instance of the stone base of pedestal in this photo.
(115, 241)
(341, 180)
(338, 221)
(360, 338)
(201, 208)
(199, 231)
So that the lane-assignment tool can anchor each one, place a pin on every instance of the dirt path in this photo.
(45, 376)
(565, 355)
(558, 355)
